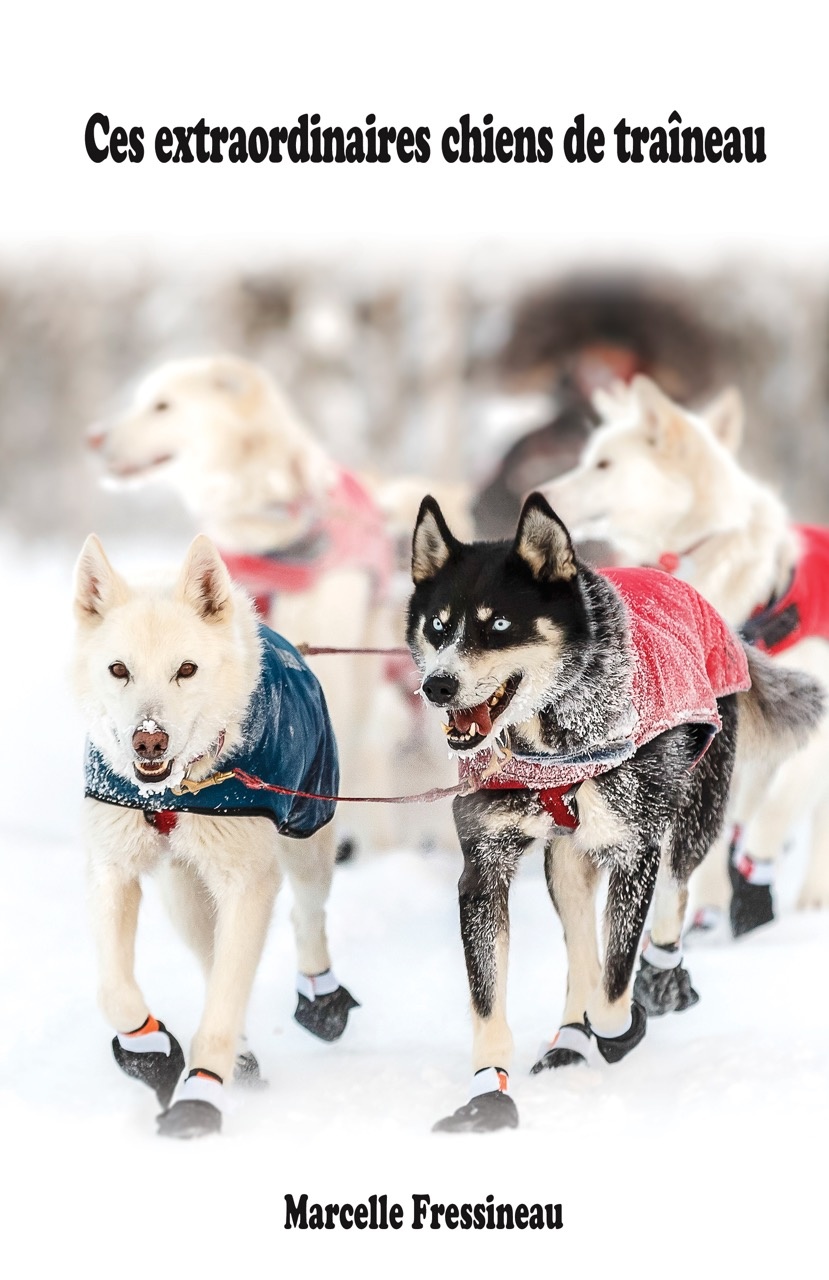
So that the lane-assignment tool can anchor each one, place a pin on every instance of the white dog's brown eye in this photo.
(186, 670)
(161, 405)
(603, 464)
(119, 671)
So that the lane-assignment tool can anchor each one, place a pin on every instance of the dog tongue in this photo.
(480, 715)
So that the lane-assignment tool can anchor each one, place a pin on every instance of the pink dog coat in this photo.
(684, 657)
(351, 534)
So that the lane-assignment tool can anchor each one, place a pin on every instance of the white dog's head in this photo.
(222, 433)
(649, 477)
(164, 673)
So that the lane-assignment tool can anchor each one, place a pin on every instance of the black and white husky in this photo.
(603, 714)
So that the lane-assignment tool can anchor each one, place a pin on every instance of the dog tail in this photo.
(780, 711)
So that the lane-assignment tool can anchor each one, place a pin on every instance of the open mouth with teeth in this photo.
(152, 770)
(468, 726)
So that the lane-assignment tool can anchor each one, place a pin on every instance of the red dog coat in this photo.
(803, 609)
(684, 657)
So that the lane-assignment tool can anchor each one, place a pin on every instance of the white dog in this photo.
(664, 485)
(313, 542)
(179, 686)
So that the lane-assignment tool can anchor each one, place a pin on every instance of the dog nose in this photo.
(95, 436)
(150, 745)
(441, 688)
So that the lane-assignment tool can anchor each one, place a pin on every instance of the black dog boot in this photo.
(614, 1048)
(323, 1005)
(153, 1056)
(490, 1108)
(197, 1111)
(751, 901)
(662, 984)
(570, 1047)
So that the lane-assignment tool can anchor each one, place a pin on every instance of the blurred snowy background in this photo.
(434, 371)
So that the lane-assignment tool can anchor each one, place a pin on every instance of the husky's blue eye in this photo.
(501, 624)
(437, 625)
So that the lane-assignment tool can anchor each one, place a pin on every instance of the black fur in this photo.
(663, 794)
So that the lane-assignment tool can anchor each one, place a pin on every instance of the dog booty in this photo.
(152, 1055)
(323, 1005)
(489, 1108)
(663, 984)
(572, 1045)
(751, 901)
(197, 1111)
(614, 1048)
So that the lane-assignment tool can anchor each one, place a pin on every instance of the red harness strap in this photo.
(351, 533)
(164, 820)
(553, 799)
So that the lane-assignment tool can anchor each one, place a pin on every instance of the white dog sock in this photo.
(318, 984)
(150, 1037)
(203, 1086)
(489, 1080)
(662, 957)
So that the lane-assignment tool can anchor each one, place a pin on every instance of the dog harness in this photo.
(287, 736)
(683, 659)
(351, 534)
(802, 611)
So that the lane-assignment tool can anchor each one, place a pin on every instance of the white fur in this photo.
(656, 478)
(231, 444)
(219, 875)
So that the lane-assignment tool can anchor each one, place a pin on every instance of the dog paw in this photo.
(247, 1072)
(486, 1113)
(189, 1118)
(751, 904)
(813, 898)
(614, 1048)
(325, 1016)
(159, 1066)
(663, 990)
(571, 1047)
(346, 850)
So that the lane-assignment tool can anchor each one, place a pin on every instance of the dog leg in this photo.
(190, 908)
(572, 879)
(815, 890)
(617, 1021)
(489, 865)
(193, 912)
(663, 984)
(323, 1005)
(142, 1047)
(710, 889)
(244, 897)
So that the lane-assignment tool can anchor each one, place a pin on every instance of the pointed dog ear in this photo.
(725, 416)
(543, 543)
(97, 585)
(433, 543)
(666, 422)
(204, 582)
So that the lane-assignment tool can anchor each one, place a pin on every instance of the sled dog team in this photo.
(629, 718)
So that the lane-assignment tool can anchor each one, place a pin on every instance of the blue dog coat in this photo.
(287, 740)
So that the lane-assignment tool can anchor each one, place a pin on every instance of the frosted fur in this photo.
(218, 874)
(661, 807)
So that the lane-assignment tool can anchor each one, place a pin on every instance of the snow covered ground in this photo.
(702, 1153)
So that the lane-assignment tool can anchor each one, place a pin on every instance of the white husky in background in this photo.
(664, 485)
(166, 676)
(313, 542)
